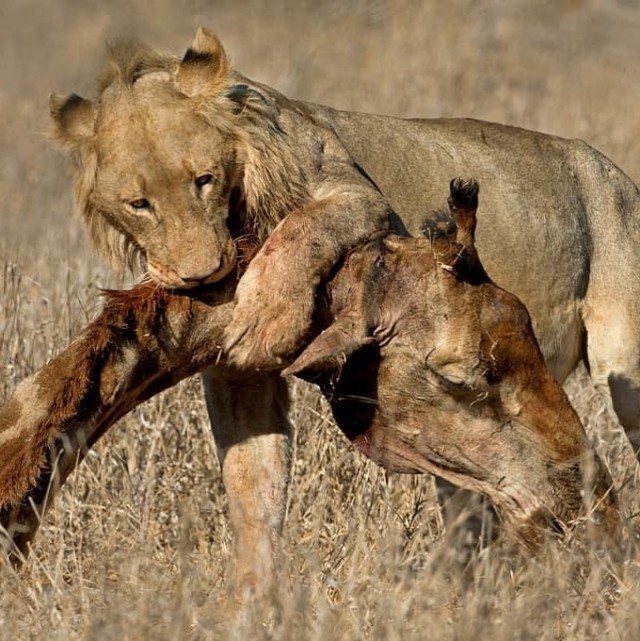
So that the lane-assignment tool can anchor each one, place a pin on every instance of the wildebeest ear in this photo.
(463, 203)
(205, 65)
(332, 347)
(73, 119)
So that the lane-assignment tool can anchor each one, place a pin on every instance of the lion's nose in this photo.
(194, 278)
(211, 269)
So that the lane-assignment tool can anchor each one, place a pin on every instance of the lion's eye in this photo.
(205, 179)
(140, 203)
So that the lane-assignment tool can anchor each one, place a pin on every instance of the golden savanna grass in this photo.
(138, 543)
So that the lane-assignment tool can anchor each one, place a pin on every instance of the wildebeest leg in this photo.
(145, 340)
(248, 414)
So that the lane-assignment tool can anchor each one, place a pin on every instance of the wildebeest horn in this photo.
(331, 348)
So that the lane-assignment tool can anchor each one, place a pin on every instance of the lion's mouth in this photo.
(227, 263)
(168, 278)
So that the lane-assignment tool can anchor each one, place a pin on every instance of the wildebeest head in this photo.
(431, 367)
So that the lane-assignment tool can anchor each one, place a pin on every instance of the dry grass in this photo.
(138, 544)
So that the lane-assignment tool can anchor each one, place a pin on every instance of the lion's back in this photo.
(554, 213)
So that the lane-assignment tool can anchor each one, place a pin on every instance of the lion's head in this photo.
(174, 157)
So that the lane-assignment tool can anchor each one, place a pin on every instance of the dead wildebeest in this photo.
(427, 364)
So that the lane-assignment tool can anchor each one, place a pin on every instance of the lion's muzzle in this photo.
(171, 278)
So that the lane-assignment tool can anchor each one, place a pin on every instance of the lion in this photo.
(428, 366)
(175, 158)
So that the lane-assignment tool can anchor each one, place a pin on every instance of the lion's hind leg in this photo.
(613, 360)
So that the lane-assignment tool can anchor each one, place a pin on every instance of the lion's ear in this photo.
(73, 119)
(205, 66)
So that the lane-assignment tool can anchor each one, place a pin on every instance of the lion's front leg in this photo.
(275, 298)
(248, 414)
